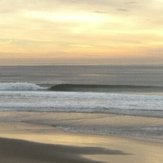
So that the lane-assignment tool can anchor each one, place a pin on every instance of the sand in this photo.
(15, 151)
(38, 137)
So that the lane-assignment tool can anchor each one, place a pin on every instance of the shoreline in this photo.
(42, 129)
(133, 113)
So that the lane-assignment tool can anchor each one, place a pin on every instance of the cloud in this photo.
(104, 28)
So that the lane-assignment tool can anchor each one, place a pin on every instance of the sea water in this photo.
(28, 88)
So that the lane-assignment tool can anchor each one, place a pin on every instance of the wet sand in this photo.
(15, 151)
(38, 138)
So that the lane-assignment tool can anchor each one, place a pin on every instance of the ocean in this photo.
(104, 75)
(120, 90)
(135, 90)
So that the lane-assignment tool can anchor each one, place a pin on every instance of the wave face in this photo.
(20, 87)
(30, 97)
(105, 88)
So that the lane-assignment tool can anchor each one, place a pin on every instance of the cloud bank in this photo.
(101, 30)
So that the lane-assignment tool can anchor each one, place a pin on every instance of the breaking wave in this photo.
(20, 87)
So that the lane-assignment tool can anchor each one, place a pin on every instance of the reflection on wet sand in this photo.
(18, 150)
(40, 129)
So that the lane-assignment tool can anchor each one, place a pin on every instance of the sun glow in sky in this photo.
(81, 32)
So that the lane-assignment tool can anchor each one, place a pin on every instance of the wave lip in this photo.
(20, 87)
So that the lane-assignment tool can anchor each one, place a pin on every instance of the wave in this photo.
(20, 87)
(104, 88)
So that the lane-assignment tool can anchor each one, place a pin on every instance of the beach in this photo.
(42, 137)
(72, 114)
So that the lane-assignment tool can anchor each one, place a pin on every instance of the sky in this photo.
(81, 32)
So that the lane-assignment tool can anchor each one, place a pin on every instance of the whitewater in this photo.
(33, 97)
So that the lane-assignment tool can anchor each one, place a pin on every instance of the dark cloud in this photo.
(100, 12)
(130, 3)
(123, 9)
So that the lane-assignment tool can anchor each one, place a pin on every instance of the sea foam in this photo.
(118, 103)
(20, 87)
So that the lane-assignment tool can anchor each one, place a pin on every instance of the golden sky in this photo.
(81, 31)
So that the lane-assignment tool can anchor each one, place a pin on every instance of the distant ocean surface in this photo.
(136, 90)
